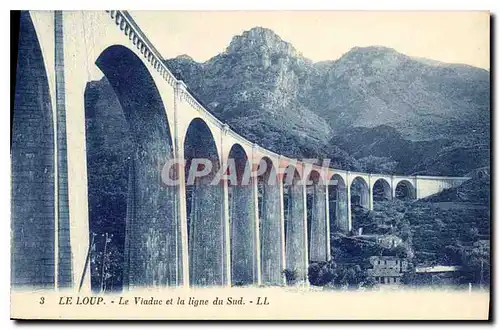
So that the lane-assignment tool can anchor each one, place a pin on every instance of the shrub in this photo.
(291, 276)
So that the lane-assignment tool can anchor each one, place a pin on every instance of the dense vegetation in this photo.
(339, 276)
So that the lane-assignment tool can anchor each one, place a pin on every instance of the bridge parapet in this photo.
(430, 185)
(451, 178)
(130, 29)
(153, 56)
(186, 96)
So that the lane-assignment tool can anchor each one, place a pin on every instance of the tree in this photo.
(338, 276)
(409, 277)
(477, 263)
(369, 282)
(322, 273)
(374, 164)
(472, 234)
(290, 276)
(106, 261)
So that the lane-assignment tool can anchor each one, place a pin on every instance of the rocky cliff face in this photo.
(366, 87)
(372, 86)
(259, 86)
(372, 102)
(266, 90)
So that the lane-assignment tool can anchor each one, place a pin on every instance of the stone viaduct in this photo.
(202, 235)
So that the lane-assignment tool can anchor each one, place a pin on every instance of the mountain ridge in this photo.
(373, 108)
(271, 94)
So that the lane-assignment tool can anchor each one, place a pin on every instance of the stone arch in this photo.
(130, 211)
(204, 201)
(267, 171)
(199, 143)
(240, 169)
(381, 190)
(295, 223)
(360, 201)
(338, 204)
(269, 212)
(32, 167)
(360, 193)
(316, 217)
(404, 190)
(241, 217)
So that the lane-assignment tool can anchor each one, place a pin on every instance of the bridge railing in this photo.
(146, 48)
(127, 24)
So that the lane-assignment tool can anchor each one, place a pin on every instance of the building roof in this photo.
(385, 272)
(437, 269)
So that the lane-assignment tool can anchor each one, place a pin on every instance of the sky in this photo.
(451, 37)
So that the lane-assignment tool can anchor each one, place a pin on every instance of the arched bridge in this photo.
(192, 233)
